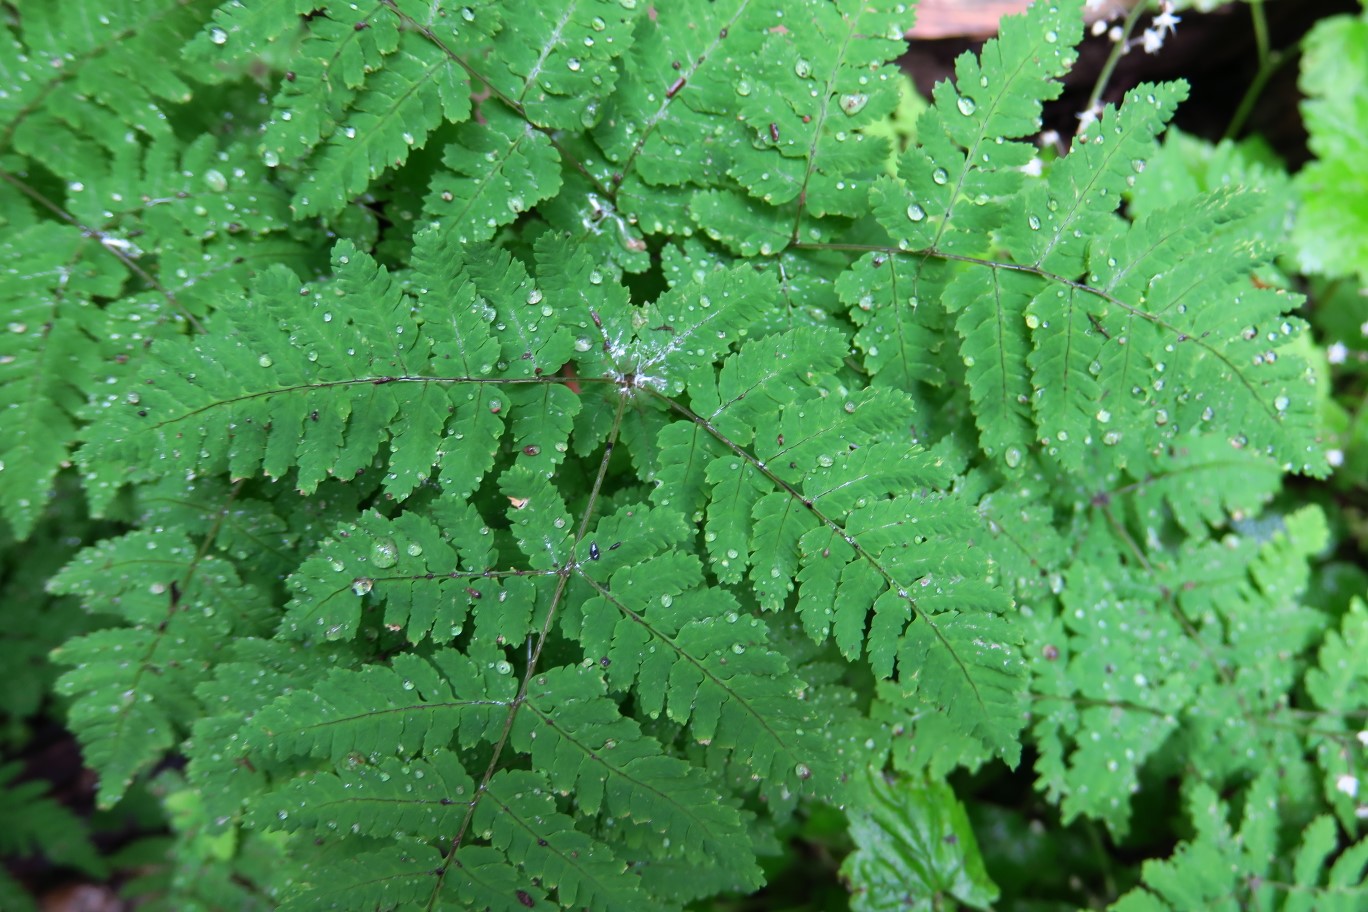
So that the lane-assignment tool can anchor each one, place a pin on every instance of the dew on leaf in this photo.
(384, 553)
(854, 103)
(1012, 457)
(966, 105)
(218, 35)
(916, 213)
(362, 584)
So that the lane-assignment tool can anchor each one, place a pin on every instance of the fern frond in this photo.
(133, 686)
(1222, 869)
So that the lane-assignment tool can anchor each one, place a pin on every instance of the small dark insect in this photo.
(614, 546)
(593, 551)
(593, 315)
(289, 75)
(774, 132)
(361, 26)
(675, 86)
(722, 34)
(526, 899)
(474, 593)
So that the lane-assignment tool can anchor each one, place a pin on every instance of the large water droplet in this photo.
(1012, 457)
(916, 213)
(854, 103)
(384, 553)
(966, 105)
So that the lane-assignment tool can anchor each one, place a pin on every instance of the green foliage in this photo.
(1331, 230)
(668, 446)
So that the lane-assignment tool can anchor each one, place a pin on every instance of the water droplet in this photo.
(803, 771)
(966, 105)
(1034, 222)
(218, 35)
(1111, 438)
(573, 64)
(743, 87)
(583, 345)
(1281, 403)
(503, 668)
(414, 549)
(384, 553)
(265, 361)
(940, 176)
(597, 24)
(362, 584)
(916, 213)
(803, 68)
(1052, 36)
(269, 158)
(1012, 457)
(854, 103)
(534, 296)
(666, 600)
(825, 461)
(1103, 415)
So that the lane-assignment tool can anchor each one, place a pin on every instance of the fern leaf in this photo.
(133, 685)
(521, 819)
(1221, 869)
(71, 117)
(426, 701)
(558, 61)
(316, 395)
(996, 96)
(577, 738)
(899, 333)
(678, 81)
(1082, 190)
(695, 655)
(408, 565)
(496, 171)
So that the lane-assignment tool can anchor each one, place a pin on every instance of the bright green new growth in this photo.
(648, 458)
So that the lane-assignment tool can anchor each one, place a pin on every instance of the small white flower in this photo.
(1347, 784)
(1115, 33)
(1089, 117)
(1363, 329)
(1363, 737)
(1166, 21)
(1335, 458)
(1153, 41)
(1099, 27)
(1337, 352)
